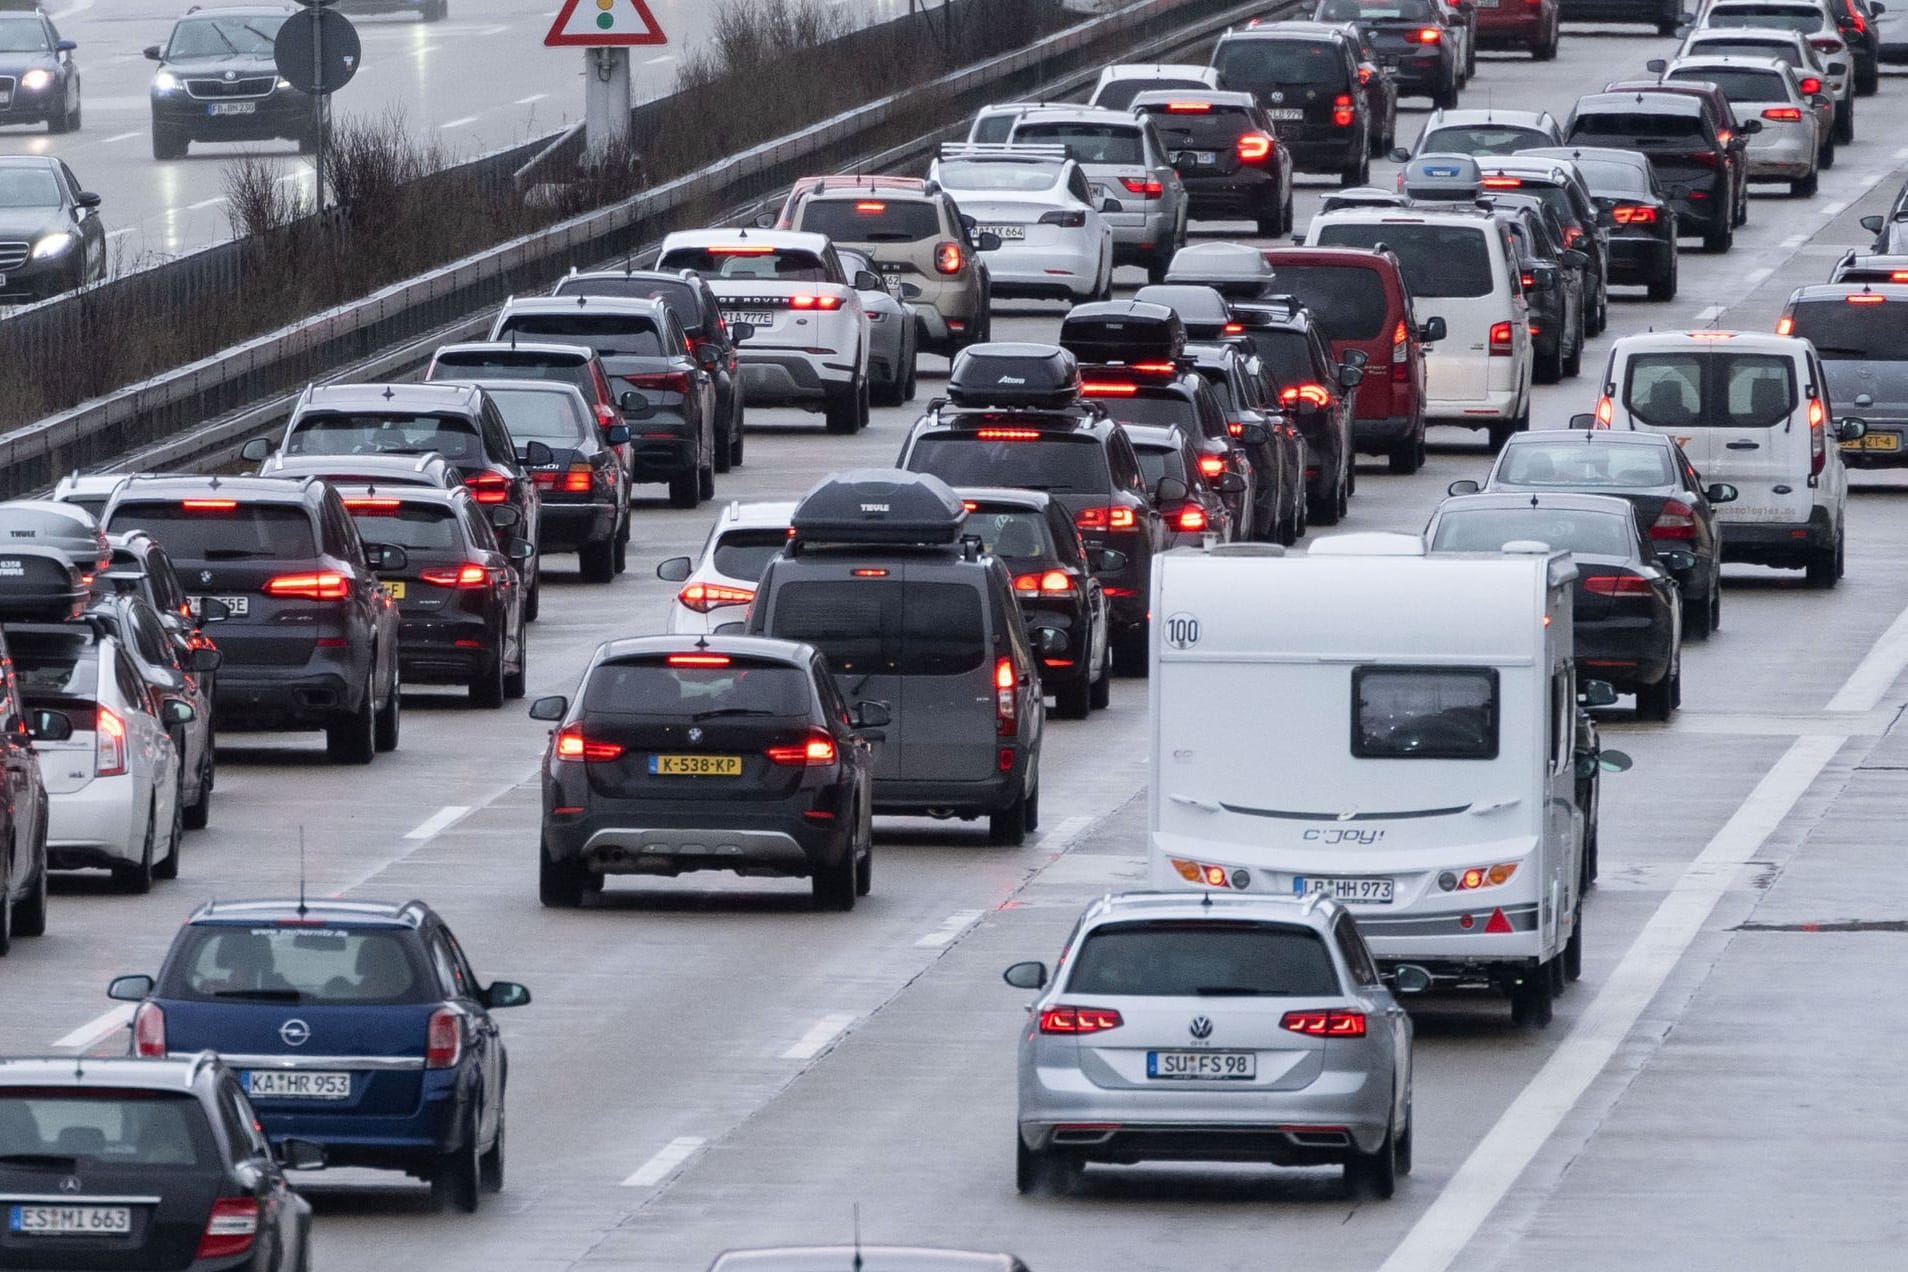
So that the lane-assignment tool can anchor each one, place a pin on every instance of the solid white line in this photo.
(1876, 672)
(816, 1040)
(534, 97)
(1833, 209)
(1795, 240)
(122, 137)
(668, 1159)
(952, 926)
(447, 125)
(1755, 276)
(106, 1023)
(437, 821)
(666, 57)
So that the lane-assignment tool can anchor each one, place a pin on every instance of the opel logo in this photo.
(695, 735)
(70, 1184)
(295, 1032)
(1201, 1027)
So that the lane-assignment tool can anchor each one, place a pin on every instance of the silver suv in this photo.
(1220, 1029)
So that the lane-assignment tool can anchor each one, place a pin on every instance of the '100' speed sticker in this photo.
(1182, 631)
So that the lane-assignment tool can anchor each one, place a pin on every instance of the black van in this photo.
(1307, 80)
(882, 577)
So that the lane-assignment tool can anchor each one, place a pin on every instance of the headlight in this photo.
(165, 82)
(53, 244)
(282, 84)
(35, 80)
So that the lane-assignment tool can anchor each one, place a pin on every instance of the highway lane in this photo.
(480, 80)
(709, 1063)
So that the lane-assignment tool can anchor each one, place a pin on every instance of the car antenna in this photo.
(302, 909)
(1206, 900)
(856, 1265)
(389, 393)
(702, 641)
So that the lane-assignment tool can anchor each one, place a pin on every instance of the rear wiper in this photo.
(51, 1161)
(731, 711)
(261, 995)
(233, 554)
(1237, 991)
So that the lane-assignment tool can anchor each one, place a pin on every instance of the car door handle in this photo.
(1744, 445)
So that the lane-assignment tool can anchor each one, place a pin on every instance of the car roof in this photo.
(794, 240)
(313, 912)
(1212, 96)
(1513, 118)
(1595, 154)
(431, 395)
(1019, 498)
(1729, 61)
(918, 193)
(1314, 908)
(647, 306)
(1060, 113)
(1589, 437)
(173, 1073)
(428, 464)
(1569, 500)
(440, 496)
(1297, 28)
(1836, 291)
(141, 486)
(791, 651)
(763, 514)
(873, 1258)
(1169, 436)
(1783, 34)
(1664, 100)
(581, 353)
(1713, 338)
(1155, 70)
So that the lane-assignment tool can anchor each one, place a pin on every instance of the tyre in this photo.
(1822, 568)
(597, 560)
(490, 1167)
(1804, 187)
(168, 143)
(724, 451)
(1573, 950)
(29, 912)
(1590, 857)
(705, 483)
(1573, 365)
(619, 554)
(1655, 702)
(65, 119)
(835, 884)
(1826, 159)
(683, 489)
(457, 1177)
(888, 393)
(736, 440)
(1073, 702)
(1374, 1174)
(1445, 98)
(1665, 288)
(198, 814)
(1532, 1003)
(1719, 238)
(1700, 621)
(6, 926)
(1845, 124)
(533, 603)
(1357, 174)
(136, 877)
(1547, 51)
(487, 686)
(560, 883)
(1867, 78)
(516, 683)
(1548, 368)
(843, 409)
(390, 720)
(864, 866)
(1009, 825)
(1130, 654)
(167, 867)
(1325, 511)
(1031, 816)
(1404, 1142)
(1100, 692)
(351, 739)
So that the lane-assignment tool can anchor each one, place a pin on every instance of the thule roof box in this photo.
(1129, 331)
(879, 506)
(40, 585)
(46, 523)
(1022, 376)
(1236, 271)
(1443, 178)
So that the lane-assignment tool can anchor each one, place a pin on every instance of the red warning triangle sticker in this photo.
(594, 23)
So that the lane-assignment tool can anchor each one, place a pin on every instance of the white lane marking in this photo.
(78, 6)
(449, 124)
(113, 234)
(1709, 313)
(1755, 276)
(205, 203)
(1876, 672)
(103, 1025)
(534, 97)
(1795, 240)
(816, 1040)
(952, 926)
(120, 137)
(1833, 209)
(668, 1159)
(438, 821)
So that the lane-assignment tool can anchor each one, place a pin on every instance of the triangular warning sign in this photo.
(605, 22)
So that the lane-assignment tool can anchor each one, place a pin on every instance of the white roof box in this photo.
(1369, 543)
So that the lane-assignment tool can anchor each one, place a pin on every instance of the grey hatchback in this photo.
(1858, 330)
(1224, 1028)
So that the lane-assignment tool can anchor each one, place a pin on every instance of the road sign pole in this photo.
(318, 108)
(606, 101)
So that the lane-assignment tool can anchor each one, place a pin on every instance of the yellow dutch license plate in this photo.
(1875, 442)
(395, 590)
(696, 765)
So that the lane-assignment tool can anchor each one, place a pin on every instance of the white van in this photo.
(1459, 265)
(1752, 410)
(1422, 774)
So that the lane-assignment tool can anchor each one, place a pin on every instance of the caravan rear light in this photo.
(1325, 1024)
(1079, 1020)
(1676, 520)
(1477, 877)
(1617, 585)
(1207, 875)
(1501, 346)
(1048, 584)
(1104, 518)
(703, 597)
(1254, 147)
(1149, 187)
(1006, 699)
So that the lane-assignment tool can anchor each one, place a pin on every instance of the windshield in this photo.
(744, 554)
(297, 963)
(1087, 143)
(1844, 332)
(221, 530)
(966, 174)
(1780, 17)
(1261, 66)
(1016, 534)
(733, 261)
(48, 663)
(611, 335)
(1739, 46)
(1424, 713)
(1187, 958)
(1739, 85)
(153, 1132)
(1710, 390)
(33, 187)
(740, 686)
(1059, 464)
(1489, 529)
(1163, 408)
(1287, 354)
(1436, 260)
(1582, 466)
(343, 433)
(1608, 178)
(871, 220)
(542, 415)
(1482, 139)
(1119, 94)
(1637, 127)
(1215, 129)
(1347, 302)
(224, 37)
(427, 527)
(22, 33)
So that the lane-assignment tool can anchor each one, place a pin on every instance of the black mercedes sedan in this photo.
(51, 239)
(39, 80)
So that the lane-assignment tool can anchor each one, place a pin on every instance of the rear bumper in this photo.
(1329, 153)
(95, 826)
(445, 648)
(773, 377)
(1639, 261)
(962, 799)
(411, 1141)
(302, 698)
(1627, 652)
(765, 837)
(1377, 436)
(1063, 1110)
(1510, 24)
(1777, 543)
(661, 449)
(1781, 160)
(567, 527)
(1248, 192)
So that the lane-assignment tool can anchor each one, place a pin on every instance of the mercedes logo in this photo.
(1275, 98)
(695, 735)
(70, 1184)
(1201, 1027)
(295, 1032)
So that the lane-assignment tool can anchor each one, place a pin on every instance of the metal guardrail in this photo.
(201, 413)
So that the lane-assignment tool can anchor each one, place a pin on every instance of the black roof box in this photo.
(880, 505)
(1123, 331)
(40, 585)
(1028, 376)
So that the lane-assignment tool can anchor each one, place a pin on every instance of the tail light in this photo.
(1785, 325)
(1066, 219)
(949, 258)
(1045, 584)
(230, 1229)
(1529, 281)
(871, 207)
(1105, 519)
(1606, 411)
(1826, 43)
(1006, 700)
(1676, 520)
(444, 1039)
(698, 660)
(1783, 114)
(1818, 440)
(1317, 394)
(1400, 354)
(1810, 84)
(1108, 388)
(1633, 214)
(661, 381)
(606, 416)
(1856, 21)
(1364, 75)
(1427, 35)
(1617, 585)
(208, 505)
(703, 597)
(373, 507)
(109, 744)
(577, 479)
(1501, 340)
(490, 488)
(149, 1031)
(1865, 298)
(1254, 147)
(1079, 1020)
(1705, 159)
(1188, 108)
(323, 586)
(1191, 517)
(573, 744)
(1502, 183)
(1149, 187)
(468, 575)
(1342, 111)
(1325, 1024)
(806, 301)
(817, 751)
(1212, 465)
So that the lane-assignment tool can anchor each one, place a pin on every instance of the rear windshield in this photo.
(1375, 11)
(117, 1130)
(1193, 958)
(758, 261)
(1087, 143)
(1482, 139)
(1119, 94)
(1063, 465)
(1260, 66)
(421, 526)
(1746, 47)
(1779, 17)
(1842, 331)
(218, 962)
(218, 532)
(958, 174)
(1604, 177)
(681, 298)
(1163, 408)
(871, 627)
(1569, 530)
(1287, 354)
(1160, 461)
(1347, 302)
(993, 129)
(50, 663)
(96, 504)
(512, 366)
(542, 415)
(871, 220)
(744, 554)
(1436, 260)
(1740, 86)
(1710, 390)
(1582, 466)
(1017, 534)
(328, 433)
(739, 687)
(624, 335)
(1637, 127)
(1215, 129)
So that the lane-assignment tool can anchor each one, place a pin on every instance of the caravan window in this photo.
(1424, 713)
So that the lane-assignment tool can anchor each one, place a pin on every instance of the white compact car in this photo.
(1816, 75)
(1054, 240)
(1121, 83)
(1812, 21)
(718, 584)
(806, 338)
(1792, 133)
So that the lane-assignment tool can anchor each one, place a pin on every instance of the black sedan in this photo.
(460, 597)
(1673, 506)
(39, 80)
(1062, 601)
(218, 81)
(51, 239)
(1642, 218)
(737, 753)
(1627, 613)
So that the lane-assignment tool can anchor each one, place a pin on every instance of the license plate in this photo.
(696, 765)
(757, 318)
(1220, 1066)
(239, 605)
(1365, 891)
(1005, 231)
(1286, 112)
(233, 108)
(71, 1221)
(297, 1084)
(395, 590)
(1196, 158)
(1875, 442)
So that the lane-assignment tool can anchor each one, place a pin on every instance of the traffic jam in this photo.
(1294, 468)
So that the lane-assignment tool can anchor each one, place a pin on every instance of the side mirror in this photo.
(616, 435)
(1111, 205)
(68, 46)
(740, 331)
(1230, 484)
(727, 629)
(299, 1154)
(1350, 377)
(212, 610)
(152, 52)
(1722, 492)
(1614, 762)
(1749, 127)
(1820, 100)
(503, 516)
(868, 280)
(537, 454)
(1573, 259)
(1355, 358)
(708, 357)
(636, 405)
(129, 989)
(386, 558)
(1026, 976)
(1677, 560)
(1542, 277)
(1873, 224)
(520, 550)
(987, 241)
(1464, 487)
(259, 448)
(1400, 155)
(872, 715)
(1875, 9)
(1596, 693)
(1050, 641)
(1850, 430)
(86, 199)
(1656, 65)
(1108, 560)
(1431, 330)
(1583, 420)
(176, 712)
(1170, 490)
(1254, 435)
(505, 994)
(554, 707)
(205, 658)
(764, 220)
(1409, 978)
(44, 725)
(675, 569)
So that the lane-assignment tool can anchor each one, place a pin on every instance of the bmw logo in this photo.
(695, 735)
(295, 1033)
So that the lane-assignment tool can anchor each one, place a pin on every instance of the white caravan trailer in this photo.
(1390, 727)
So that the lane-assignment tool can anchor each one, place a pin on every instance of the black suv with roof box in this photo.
(1307, 81)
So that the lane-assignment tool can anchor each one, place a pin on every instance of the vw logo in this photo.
(1275, 98)
(70, 1184)
(1201, 1027)
(695, 735)
(295, 1032)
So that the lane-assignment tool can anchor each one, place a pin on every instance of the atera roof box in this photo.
(40, 585)
(1203, 310)
(1127, 331)
(880, 505)
(1028, 376)
(1442, 177)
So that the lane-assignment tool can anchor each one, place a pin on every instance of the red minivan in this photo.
(1359, 300)
(1530, 25)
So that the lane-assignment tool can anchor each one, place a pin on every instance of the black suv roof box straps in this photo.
(880, 505)
(1123, 331)
(1031, 376)
(40, 585)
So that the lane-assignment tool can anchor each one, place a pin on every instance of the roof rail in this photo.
(1000, 150)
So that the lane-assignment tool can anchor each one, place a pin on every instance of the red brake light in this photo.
(1529, 281)
(606, 416)
(818, 750)
(230, 1229)
(1148, 186)
(149, 1031)
(949, 259)
(870, 572)
(1818, 445)
(1105, 519)
(1006, 702)
(1676, 520)
(1050, 583)
(1107, 388)
(1428, 35)
(1191, 518)
(1325, 1024)
(372, 507)
(1500, 340)
(1254, 147)
(1785, 325)
(663, 381)
(489, 488)
(704, 597)
(443, 1040)
(871, 207)
(323, 586)
(1606, 411)
(1317, 394)
(806, 301)
(1342, 114)
(571, 744)
(1188, 108)
(467, 575)
(740, 249)
(1008, 434)
(1864, 298)
(208, 505)
(1810, 84)
(1364, 75)
(1212, 465)
(1617, 585)
(698, 660)
(1232, 329)
(1633, 214)
(1826, 43)
(1079, 1020)
(1783, 114)
(1502, 183)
